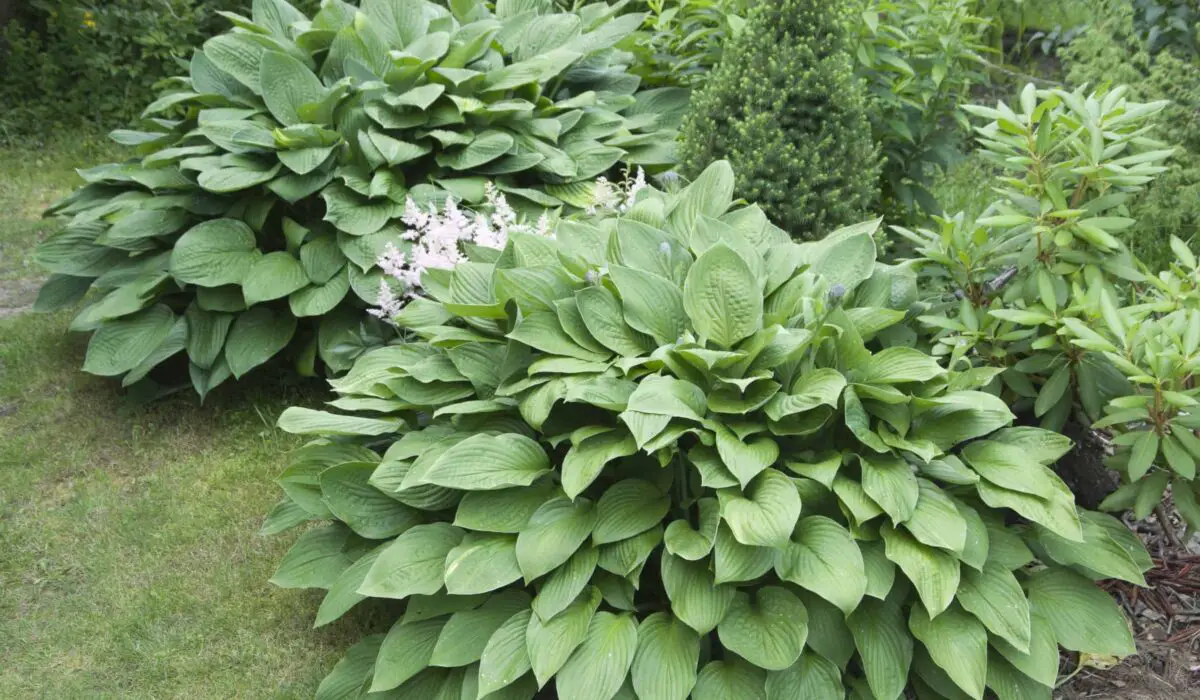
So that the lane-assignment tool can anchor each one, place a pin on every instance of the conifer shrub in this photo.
(786, 110)
(669, 453)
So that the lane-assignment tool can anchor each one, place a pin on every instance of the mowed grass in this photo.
(130, 560)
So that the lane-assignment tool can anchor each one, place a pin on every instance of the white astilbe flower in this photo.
(436, 238)
(604, 196)
(633, 188)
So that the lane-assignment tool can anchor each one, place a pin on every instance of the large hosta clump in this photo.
(672, 454)
(270, 177)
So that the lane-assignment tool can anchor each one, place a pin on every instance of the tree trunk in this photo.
(1083, 467)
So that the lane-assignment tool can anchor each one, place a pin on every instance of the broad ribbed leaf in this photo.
(1082, 616)
(364, 508)
(766, 514)
(628, 508)
(668, 651)
(214, 253)
(257, 336)
(692, 544)
(995, 597)
(488, 463)
(405, 652)
(695, 597)
(722, 297)
(505, 511)
(957, 643)
(598, 667)
(466, 634)
(885, 645)
(556, 531)
(811, 677)
(316, 560)
(415, 563)
(768, 631)
(936, 521)
(506, 657)
(482, 563)
(287, 85)
(731, 679)
(823, 558)
(934, 573)
(550, 643)
(274, 276)
(306, 421)
(585, 461)
(889, 481)
(652, 305)
(566, 583)
(119, 346)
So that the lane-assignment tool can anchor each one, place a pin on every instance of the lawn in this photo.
(130, 560)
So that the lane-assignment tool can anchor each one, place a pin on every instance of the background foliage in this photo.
(1112, 53)
(785, 108)
(66, 62)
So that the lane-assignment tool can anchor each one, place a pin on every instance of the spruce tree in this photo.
(785, 108)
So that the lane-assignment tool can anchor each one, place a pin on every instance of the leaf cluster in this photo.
(269, 178)
(672, 454)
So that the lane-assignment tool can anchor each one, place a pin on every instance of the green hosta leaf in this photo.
(343, 594)
(207, 331)
(1057, 514)
(287, 86)
(585, 461)
(652, 305)
(889, 481)
(504, 511)
(1010, 684)
(710, 194)
(1010, 467)
(257, 336)
(769, 631)
(734, 562)
(668, 651)
(995, 597)
(629, 508)
(1100, 550)
(687, 543)
(405, 652)
(811, 677)
(566, 583)
(823, 558)
(555, 532)
(766, 514)
(505, 658)
(845, 257)
(828, 633)
(604, 318)
(467, 632)
(274, 276)
(488, 463)
(885, 645)
(1041, 663)
(695, 597)
(365, 509)
(820, 387)
(306, 421)
(317, 559)
(726, 680)
(934, 573)
(722, 297)
(415, 563)
(1083, 617)
(120, 346)
(551, 643)
(662, 395)
(936, 520)
(214, 253)
(320, 299)
(349, 676)
(957, 643)
(484, 149)
(746, 460)
(598, 667)
(897, 365)
(482, 563)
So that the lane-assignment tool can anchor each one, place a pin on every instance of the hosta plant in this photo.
(668, 453)
(270, 177)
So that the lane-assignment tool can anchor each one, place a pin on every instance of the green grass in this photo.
(130, 563)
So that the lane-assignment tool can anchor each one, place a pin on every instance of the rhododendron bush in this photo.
(268, 180)
(665, 452)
